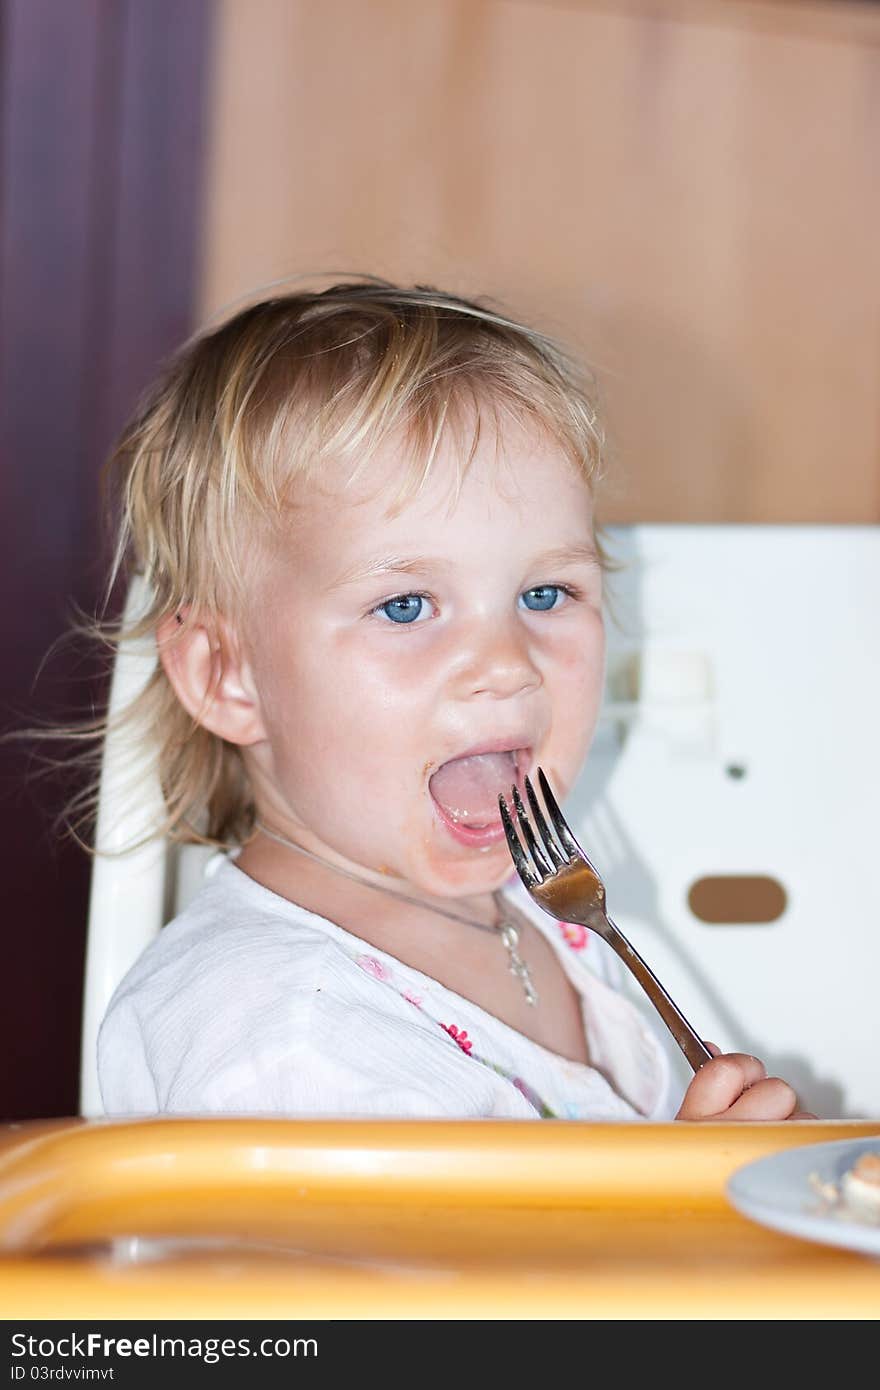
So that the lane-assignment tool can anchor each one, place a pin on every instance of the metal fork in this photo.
(562, 881)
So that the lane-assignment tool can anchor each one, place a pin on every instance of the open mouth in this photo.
(466, 790)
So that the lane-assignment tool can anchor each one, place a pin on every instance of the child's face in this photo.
(384, 648)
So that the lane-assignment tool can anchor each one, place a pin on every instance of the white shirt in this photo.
(247, 1003)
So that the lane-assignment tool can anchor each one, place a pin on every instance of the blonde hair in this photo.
(237, 415)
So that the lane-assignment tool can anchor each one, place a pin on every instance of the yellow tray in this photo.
(256, 1218)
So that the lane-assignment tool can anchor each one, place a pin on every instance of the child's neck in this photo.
(471, 963)
(359, 907)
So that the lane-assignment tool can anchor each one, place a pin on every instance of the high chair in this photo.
(729, 800)
(132, 895)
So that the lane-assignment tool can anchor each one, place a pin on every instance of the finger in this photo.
(770, 1099)
(803, 1115)
(748, 1069)
(719, 1084)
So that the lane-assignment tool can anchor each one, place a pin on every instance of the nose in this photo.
(498, 661)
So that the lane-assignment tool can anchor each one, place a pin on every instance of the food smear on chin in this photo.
(467, 789)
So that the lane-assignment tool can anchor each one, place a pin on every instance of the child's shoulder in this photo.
(234, 926)
(246, 1000)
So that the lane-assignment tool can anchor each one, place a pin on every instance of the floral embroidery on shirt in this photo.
(576, 937)
(373, 967)
(459, 1035)
(523, 1087)
(574, 934)
(542, 1108)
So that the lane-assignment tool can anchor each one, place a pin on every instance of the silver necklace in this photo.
(506, 929)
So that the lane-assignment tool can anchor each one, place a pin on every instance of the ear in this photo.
(211, 678)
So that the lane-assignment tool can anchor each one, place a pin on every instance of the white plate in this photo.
(780, 1192)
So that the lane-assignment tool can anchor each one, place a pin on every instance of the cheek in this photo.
(347, 703)
(578, 686)
(579, 658)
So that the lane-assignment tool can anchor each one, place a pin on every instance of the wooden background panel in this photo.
(686, 191)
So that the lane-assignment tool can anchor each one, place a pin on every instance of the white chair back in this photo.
(735, 771)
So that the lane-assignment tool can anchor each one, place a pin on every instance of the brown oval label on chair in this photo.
(737, 899)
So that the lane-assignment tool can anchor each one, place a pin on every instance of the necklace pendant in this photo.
(510, 937)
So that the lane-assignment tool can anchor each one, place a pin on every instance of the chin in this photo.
(482, 871)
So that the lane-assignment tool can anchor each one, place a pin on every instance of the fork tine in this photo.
(513, 844)
(546, 834)
(560, 824)
(542, 863)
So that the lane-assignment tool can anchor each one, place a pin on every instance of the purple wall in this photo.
(102, 132)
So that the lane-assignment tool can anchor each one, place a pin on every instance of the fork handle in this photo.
(693, 1047)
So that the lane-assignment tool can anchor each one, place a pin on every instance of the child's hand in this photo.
(734, 1086)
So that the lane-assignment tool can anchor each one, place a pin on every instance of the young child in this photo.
(365, 516)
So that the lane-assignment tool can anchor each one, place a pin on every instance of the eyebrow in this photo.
(579, 553)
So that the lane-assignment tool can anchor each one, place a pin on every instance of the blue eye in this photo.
(543, 597)
(405, 608)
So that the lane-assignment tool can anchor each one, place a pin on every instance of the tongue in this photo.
(468, 788)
